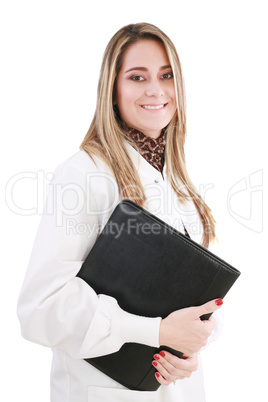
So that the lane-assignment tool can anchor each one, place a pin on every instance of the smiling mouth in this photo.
(154, 107)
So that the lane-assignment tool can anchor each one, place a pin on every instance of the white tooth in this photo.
(153, 107)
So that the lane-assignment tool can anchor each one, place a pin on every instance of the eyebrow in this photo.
(146, 69)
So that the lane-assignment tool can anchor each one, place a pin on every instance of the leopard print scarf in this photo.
(151, 149)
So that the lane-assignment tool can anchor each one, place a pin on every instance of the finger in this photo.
(166, 376)
(173, 359)
(163, 381)
(174, 364)
(160, 379)
(208, 308)
(171, 374)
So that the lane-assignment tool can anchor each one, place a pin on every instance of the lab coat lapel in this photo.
(186, 211)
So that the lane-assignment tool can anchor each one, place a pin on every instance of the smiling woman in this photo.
(133, 47)
(133, 149)
(146, 94)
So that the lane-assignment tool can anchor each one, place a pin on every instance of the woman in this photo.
(134, 149)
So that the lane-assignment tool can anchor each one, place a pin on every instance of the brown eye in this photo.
(136, 78)
(167, 76)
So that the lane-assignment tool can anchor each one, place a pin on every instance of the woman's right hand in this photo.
(183, 330)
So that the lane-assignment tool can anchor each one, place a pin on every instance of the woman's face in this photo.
(145, 88)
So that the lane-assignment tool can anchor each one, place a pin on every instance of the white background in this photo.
(50, 58)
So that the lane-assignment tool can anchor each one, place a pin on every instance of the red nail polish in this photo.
(155, 364)
(157, 357)
(157, 375)
(219, 302)
(162, 354)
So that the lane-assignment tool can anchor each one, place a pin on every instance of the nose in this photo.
(154, 88)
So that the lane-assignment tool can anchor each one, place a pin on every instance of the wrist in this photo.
(163, 333)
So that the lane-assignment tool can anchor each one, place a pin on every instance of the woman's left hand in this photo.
(171, 368)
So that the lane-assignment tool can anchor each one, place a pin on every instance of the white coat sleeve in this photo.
(58, 309)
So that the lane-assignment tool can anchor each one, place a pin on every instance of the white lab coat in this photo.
(58, 310)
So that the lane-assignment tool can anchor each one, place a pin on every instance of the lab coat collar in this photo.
(144, 168)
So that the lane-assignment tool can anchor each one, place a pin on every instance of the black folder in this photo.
(151, 269)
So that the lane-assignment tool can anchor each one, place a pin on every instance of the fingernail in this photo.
(157, 375)
(155, 364)
(157, 357)
(219, 302)
(162, 354)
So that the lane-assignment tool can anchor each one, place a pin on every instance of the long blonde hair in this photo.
(106, 135)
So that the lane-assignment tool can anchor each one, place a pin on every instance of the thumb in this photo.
(209, 307)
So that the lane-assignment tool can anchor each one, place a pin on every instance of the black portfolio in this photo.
(151, 269)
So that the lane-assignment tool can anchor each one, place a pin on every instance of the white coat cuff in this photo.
(137, 329)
